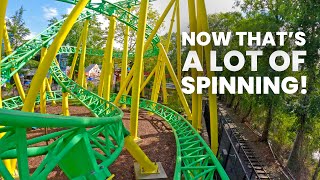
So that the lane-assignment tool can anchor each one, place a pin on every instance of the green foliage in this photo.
(32, 64)
(172, 52)
(95, 40)
(174, 103)
(52, 21)
(294, 129)
(92, 87)
(153, 16)
(282, 133)
(17, 29)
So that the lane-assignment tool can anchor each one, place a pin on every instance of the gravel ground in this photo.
(157, 141)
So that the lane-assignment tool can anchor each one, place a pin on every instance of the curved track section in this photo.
(91, 144)
(194, 158)
(122, 15)
(84, 148)
(25, 52)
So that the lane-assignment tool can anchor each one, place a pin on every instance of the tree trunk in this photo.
(231, 102)
(237, 105)
(316, 172)
(248, 113)
(295, 158)
(265, 133)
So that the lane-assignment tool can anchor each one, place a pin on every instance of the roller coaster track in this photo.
(99, 52)
(92, 144)
(194, 157)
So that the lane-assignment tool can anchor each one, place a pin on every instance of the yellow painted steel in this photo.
(212, 98)
(164, 81)
(75, 57)
(3, 8)
(149, 77)
(129, 88)
(148, 167)
(160, 81)
(101, 81)
(157, 81)
(111, 177)
(43, 94)
(112, 75)
(52, 51)
(142, 80)
(158, 24)
(138, 61)
(107, 59)
(164, 87)
(48, 88)
(50, 80)
(81, 73)
(65, 104)
(124, 64)
(148, 42)
(8, 51)
(176, 82)
(179, 69)
(65, 99)
(156, 75)
(194, 73)
(122, 89)
(200, 54)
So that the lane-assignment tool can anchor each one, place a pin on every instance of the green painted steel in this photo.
(99, 52)
(122, 15)
(129, 3)
(16, 102)
(194, 157)
(194, 160)
(84, 147)
(98, 141)
(25, 52)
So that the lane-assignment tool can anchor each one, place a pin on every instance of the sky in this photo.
(38, 12)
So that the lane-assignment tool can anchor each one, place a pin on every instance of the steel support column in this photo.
(138, 62)
(212, 98)
(81, 73)
(52, 51)
(107, 59)
(8, 51)
(43, 94)
(124, 64)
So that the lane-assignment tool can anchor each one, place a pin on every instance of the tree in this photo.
(305, 17)
(292, 16)
(267, 16)
(316, 172)
(95, 40)
(290, 121)
(52, 21)
(172, 52)
(153, 16)
(17, 28)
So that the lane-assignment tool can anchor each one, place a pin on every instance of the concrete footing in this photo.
(160, 175)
